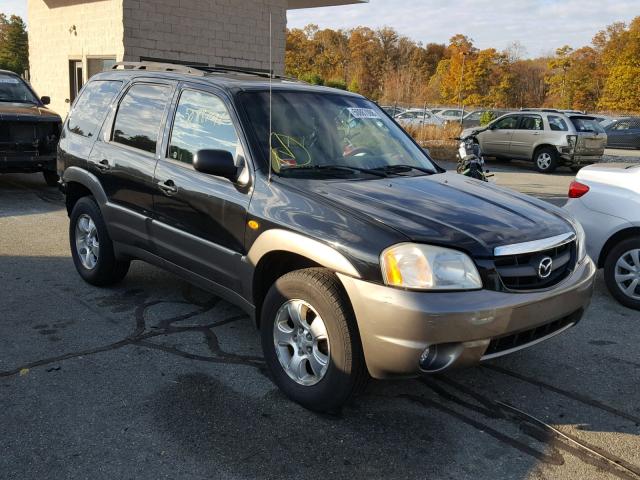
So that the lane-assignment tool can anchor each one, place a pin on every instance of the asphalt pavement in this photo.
(157, 379)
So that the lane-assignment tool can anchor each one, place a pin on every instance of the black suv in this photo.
(28, 130)
(311, 209)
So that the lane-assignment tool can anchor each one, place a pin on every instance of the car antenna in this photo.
(270, 94)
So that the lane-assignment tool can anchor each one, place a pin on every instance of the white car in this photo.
(417, 117)
(605, 198)
(451, 115)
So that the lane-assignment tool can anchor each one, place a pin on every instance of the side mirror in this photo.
(216, 162)
(45, 100)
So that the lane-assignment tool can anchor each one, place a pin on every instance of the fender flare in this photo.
(288, 241)
(87, 179)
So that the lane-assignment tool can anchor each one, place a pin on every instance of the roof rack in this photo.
(554, 110)
(198, 70)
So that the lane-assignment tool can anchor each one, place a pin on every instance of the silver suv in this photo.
(549, 138)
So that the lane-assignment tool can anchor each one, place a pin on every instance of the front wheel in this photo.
(311, 342)
(622, 272)
(546, 160)
(91, 246)
(51, 178)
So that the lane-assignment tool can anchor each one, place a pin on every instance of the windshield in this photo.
(586, 124)
(13, 89)
(316, 131)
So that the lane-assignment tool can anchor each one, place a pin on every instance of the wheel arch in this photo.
(80, 183)
(277, 252)
(616, 238)
(540, 147)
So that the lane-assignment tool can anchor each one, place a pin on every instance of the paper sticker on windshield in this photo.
(363, 113)
(9, 80)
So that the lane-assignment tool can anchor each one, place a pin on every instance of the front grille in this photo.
(521, 271)
(521, 339)
(19, 136)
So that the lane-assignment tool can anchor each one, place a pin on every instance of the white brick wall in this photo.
(53, 42)
(228, 32)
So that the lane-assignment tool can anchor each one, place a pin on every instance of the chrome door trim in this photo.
(535, 245)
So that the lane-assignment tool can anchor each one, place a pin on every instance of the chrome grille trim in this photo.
(534, 245)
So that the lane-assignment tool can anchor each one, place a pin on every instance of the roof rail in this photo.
(159, 67)
(198, 70)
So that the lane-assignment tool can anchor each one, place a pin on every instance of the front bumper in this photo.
(26, 162)
(398, 326)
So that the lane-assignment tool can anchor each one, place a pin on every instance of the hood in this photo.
(26, 112)
(449, 210)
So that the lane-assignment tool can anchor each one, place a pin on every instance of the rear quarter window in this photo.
(557, 124)
(586, 124)
(91, 107)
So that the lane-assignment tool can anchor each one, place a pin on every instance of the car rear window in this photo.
(90, 109)
(586, 124)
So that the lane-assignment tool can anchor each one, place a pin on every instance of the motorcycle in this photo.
(470, 159)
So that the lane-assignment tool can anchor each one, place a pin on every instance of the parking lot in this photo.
(157, 379)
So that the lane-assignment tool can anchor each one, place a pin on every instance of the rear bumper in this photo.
(576, 159)
(26, 162)
(397, 326)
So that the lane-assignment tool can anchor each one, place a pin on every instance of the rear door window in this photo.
(91, 107)
(557, 124)
(140, 116)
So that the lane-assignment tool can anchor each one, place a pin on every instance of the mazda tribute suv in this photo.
(354, 253)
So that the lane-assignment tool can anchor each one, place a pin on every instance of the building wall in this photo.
(53, 41)
(227, 32)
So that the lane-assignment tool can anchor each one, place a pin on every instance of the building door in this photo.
(75, 78)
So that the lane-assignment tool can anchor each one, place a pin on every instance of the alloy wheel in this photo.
(301, 341)
(627, 273)
(544, 161)
(87, 244)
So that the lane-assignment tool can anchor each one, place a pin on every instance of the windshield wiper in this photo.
(403, 169)
(344, 168)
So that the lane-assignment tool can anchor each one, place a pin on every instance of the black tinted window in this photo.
(202, 123)
(557, 124)
(140, 115)
(533, 122)
(506, 123)
(90, 109)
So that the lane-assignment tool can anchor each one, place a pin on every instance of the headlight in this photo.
(581, 240)
(426, 267)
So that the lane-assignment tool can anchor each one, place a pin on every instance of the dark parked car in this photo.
(624, 133)
(29, 131)
(353, 252)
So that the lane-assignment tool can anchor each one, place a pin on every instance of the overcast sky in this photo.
(540, 25)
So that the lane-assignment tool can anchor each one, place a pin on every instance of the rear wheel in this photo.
(575, 169)
(311, 342)
(91, 246)
(546, 160)
(622, 272)
(51, 178)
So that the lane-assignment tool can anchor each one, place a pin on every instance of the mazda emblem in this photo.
(544, 269)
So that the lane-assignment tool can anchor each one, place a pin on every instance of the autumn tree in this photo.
(14, 49)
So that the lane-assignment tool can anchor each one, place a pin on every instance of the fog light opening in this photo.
(439, 357)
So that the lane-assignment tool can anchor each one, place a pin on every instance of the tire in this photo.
(575, 169)
(345, 374)
(86, 220)
(546, 160)
(51, 178)
(627, 251)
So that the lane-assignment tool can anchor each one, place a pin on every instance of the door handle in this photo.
(168, 187)
(103, 165)
(536, 133)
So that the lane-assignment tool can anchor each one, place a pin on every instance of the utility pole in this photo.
(464, 56)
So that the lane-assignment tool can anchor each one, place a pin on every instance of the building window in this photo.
(76, 78)
(97, 65)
